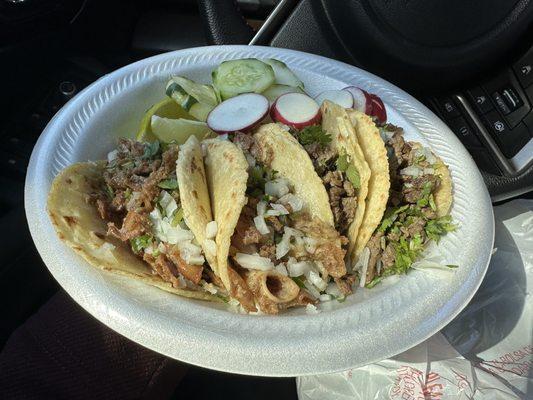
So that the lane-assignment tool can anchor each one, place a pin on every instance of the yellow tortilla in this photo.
(226, 169)
(194, 194)
(283, 153)
(443, 195)
(337, 123)
(78, 224)
(375, 155)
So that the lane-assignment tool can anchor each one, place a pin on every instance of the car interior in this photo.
(470, 62)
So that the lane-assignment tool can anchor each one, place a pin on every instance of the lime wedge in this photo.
(178, 130)
(167, 108)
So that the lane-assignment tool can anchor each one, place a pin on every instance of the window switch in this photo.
(480, 100)
(500, 103)
(464, 132)
(448, 108)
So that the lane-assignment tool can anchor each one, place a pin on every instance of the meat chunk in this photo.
(342, 199)
(135, 224)
(332, 257)
(315, 228)
(374, 245)
(243, 140)
(163, 267)
(240, 291)
(414, 191)
(245, 232)
(345, 284)
(274, 223)
(191, 272)
(389, 256)
(416, 227)
(268, 251)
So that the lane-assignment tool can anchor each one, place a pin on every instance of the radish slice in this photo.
(378, 109)
(341, 97)
(362, 101)
(239, 113)
(296, 110)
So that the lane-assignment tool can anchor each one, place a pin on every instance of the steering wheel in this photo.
(464, 43)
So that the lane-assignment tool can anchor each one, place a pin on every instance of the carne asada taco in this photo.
(275, 224)
(417, 206)
(337, 160)
(138, 215)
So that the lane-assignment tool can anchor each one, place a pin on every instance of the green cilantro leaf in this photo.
(171, 183)
(140, 243)
(314, 134)
(151, 149)
(353, 176)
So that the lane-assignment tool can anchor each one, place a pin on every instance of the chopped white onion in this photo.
(277, 210)
(210, 247)
(316, 280)
(364, 258)
(293, 232)
(112, 156)
(311, 309)
(283, 246)
(191, 253)
(411, 170)
(211, 229)
(311, 289)
(429, 171)
(261, 207)
(378, 266)
(261, 225)
(281, 269)
(333, 290)
(254, 261)
(294, 201)
(325, 297)
(209, 287)
(299, 268)
(167, 203)
(424, 151)
(277, 187)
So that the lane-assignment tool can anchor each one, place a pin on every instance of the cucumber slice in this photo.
(179, 95)
(247, 75)
(200, 111)
(274, 91)
(202, 93)
(178, 130)
(284, 76)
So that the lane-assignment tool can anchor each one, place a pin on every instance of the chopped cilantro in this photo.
(314, 134)
(374, 282)
(151, 149)
(170, 183)
(127, 194)
(256, 180)
(452, 266)
(353, 176)
(435, 228)
(432, 202)
(298, 281)
(342, 162)
(109, 191)
(140, 243)
(177, 217)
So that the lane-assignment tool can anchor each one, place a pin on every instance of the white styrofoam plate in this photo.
(369, 326)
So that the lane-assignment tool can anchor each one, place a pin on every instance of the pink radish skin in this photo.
(341, 97)
(378, 109)
(239, 113)
(362, 101)
(296, 110)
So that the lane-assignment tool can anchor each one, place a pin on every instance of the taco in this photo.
(276, 244)
(402, 217)
(338, 160)
(144, 213)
